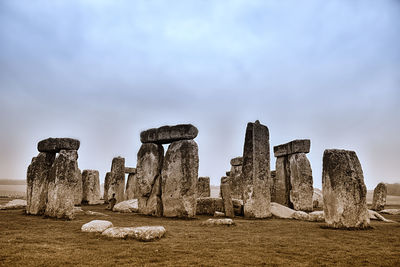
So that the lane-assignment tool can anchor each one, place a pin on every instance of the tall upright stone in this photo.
(148, 171)
(256, 171)
(281, 182)
(301, 181)
(37, 182)
(344, 191)
(107, 182)
(79, 189)
(91, 187)
(117, 179)
(235, 179)
(379, 198)
(63, 181)
(132, 187)
(203, 187)
(227, 200)
(179, 179)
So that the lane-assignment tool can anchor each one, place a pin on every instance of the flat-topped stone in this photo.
(237, 161)
(295, 146)
(54, 145)
(169, 134)
(130, 170)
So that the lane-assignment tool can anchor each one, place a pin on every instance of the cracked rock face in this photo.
(344, 191)
(379, 198)
(179, 179)
(256, 172)
(203, 187)
(149, 164)
(91, 187)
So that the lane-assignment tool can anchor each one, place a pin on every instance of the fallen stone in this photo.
(391, 211)
(14, 204)
(219, 214)
(169, 134)
(143, 233)
(344, 191)
(203, 187)
(78, 210)
(256, 172)
(227, 200)
(219, 222)
(301, 182)
(179, 179)
(127, 206)
(91, 187)
(96, 226)
(373, 215)
(238, 161)
(301, 215)
(118, 232)
(379, 198)
(130, 170)
(55, 145)
(281, 211)
(295, 146)
(149, 163)
(316, 216)
(95, 213)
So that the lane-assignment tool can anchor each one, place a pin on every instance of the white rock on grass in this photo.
(281, 211)
(96, 226)
(391, 211)
(127, 206)
(14, 204)
(301, 215)
(218, 222)
(373, 215)
(316, 216)
(143, 233)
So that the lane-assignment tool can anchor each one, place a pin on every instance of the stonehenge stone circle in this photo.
(132, 187)
(169, 134)
(55, 145)
(203, 187)
(256, 171)
(149, 164)
(292, 185)
(117, 179)
(344, 191)
(91, 187)
(107, 181)
(37, 182)
(63, 180)
(179, 179)
(227, 200)
(379, 198)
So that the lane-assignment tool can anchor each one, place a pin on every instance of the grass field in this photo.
(32, 240)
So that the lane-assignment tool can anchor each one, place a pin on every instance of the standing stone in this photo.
(281, 183)
(344, 191)
(132, 187)
(301, 181)
(63, 180)
(203, 187)
(227, 200)
(107, 181)
(79, 189)
(256, 172)
(117, 181)
(235, 178)
(379, 198)
(179, 179)
(169, 134)
(91, 187)
(37, 183)
(149, 165)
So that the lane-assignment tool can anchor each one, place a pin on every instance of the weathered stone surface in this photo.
(235, 181)
(132, 187)
(63, 180)
(295, 146)
(79, 189)
(203, 187)
(316, 216)
(219, 222)
(228, 173)
(37, 183)
(227, 200)
(344, 191)
(281, 211)
(208, 205)
(373, 215)
(179, 179)
(148, 172)
(14, 204)
(301, 215)
(91, 187)
(238, 161)
(96, 226)
(280, 192)
(301, 180)
(130, 170)
(55, 145)
(318, 201)
(107, 182)
(391, 211)
(127, 206)
(169, 134)
(256, 172)
(143, 233)
(117, 179)
(379, 198)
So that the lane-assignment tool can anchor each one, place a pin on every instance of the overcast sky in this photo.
(103, 71)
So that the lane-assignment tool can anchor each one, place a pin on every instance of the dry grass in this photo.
(31, 240)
